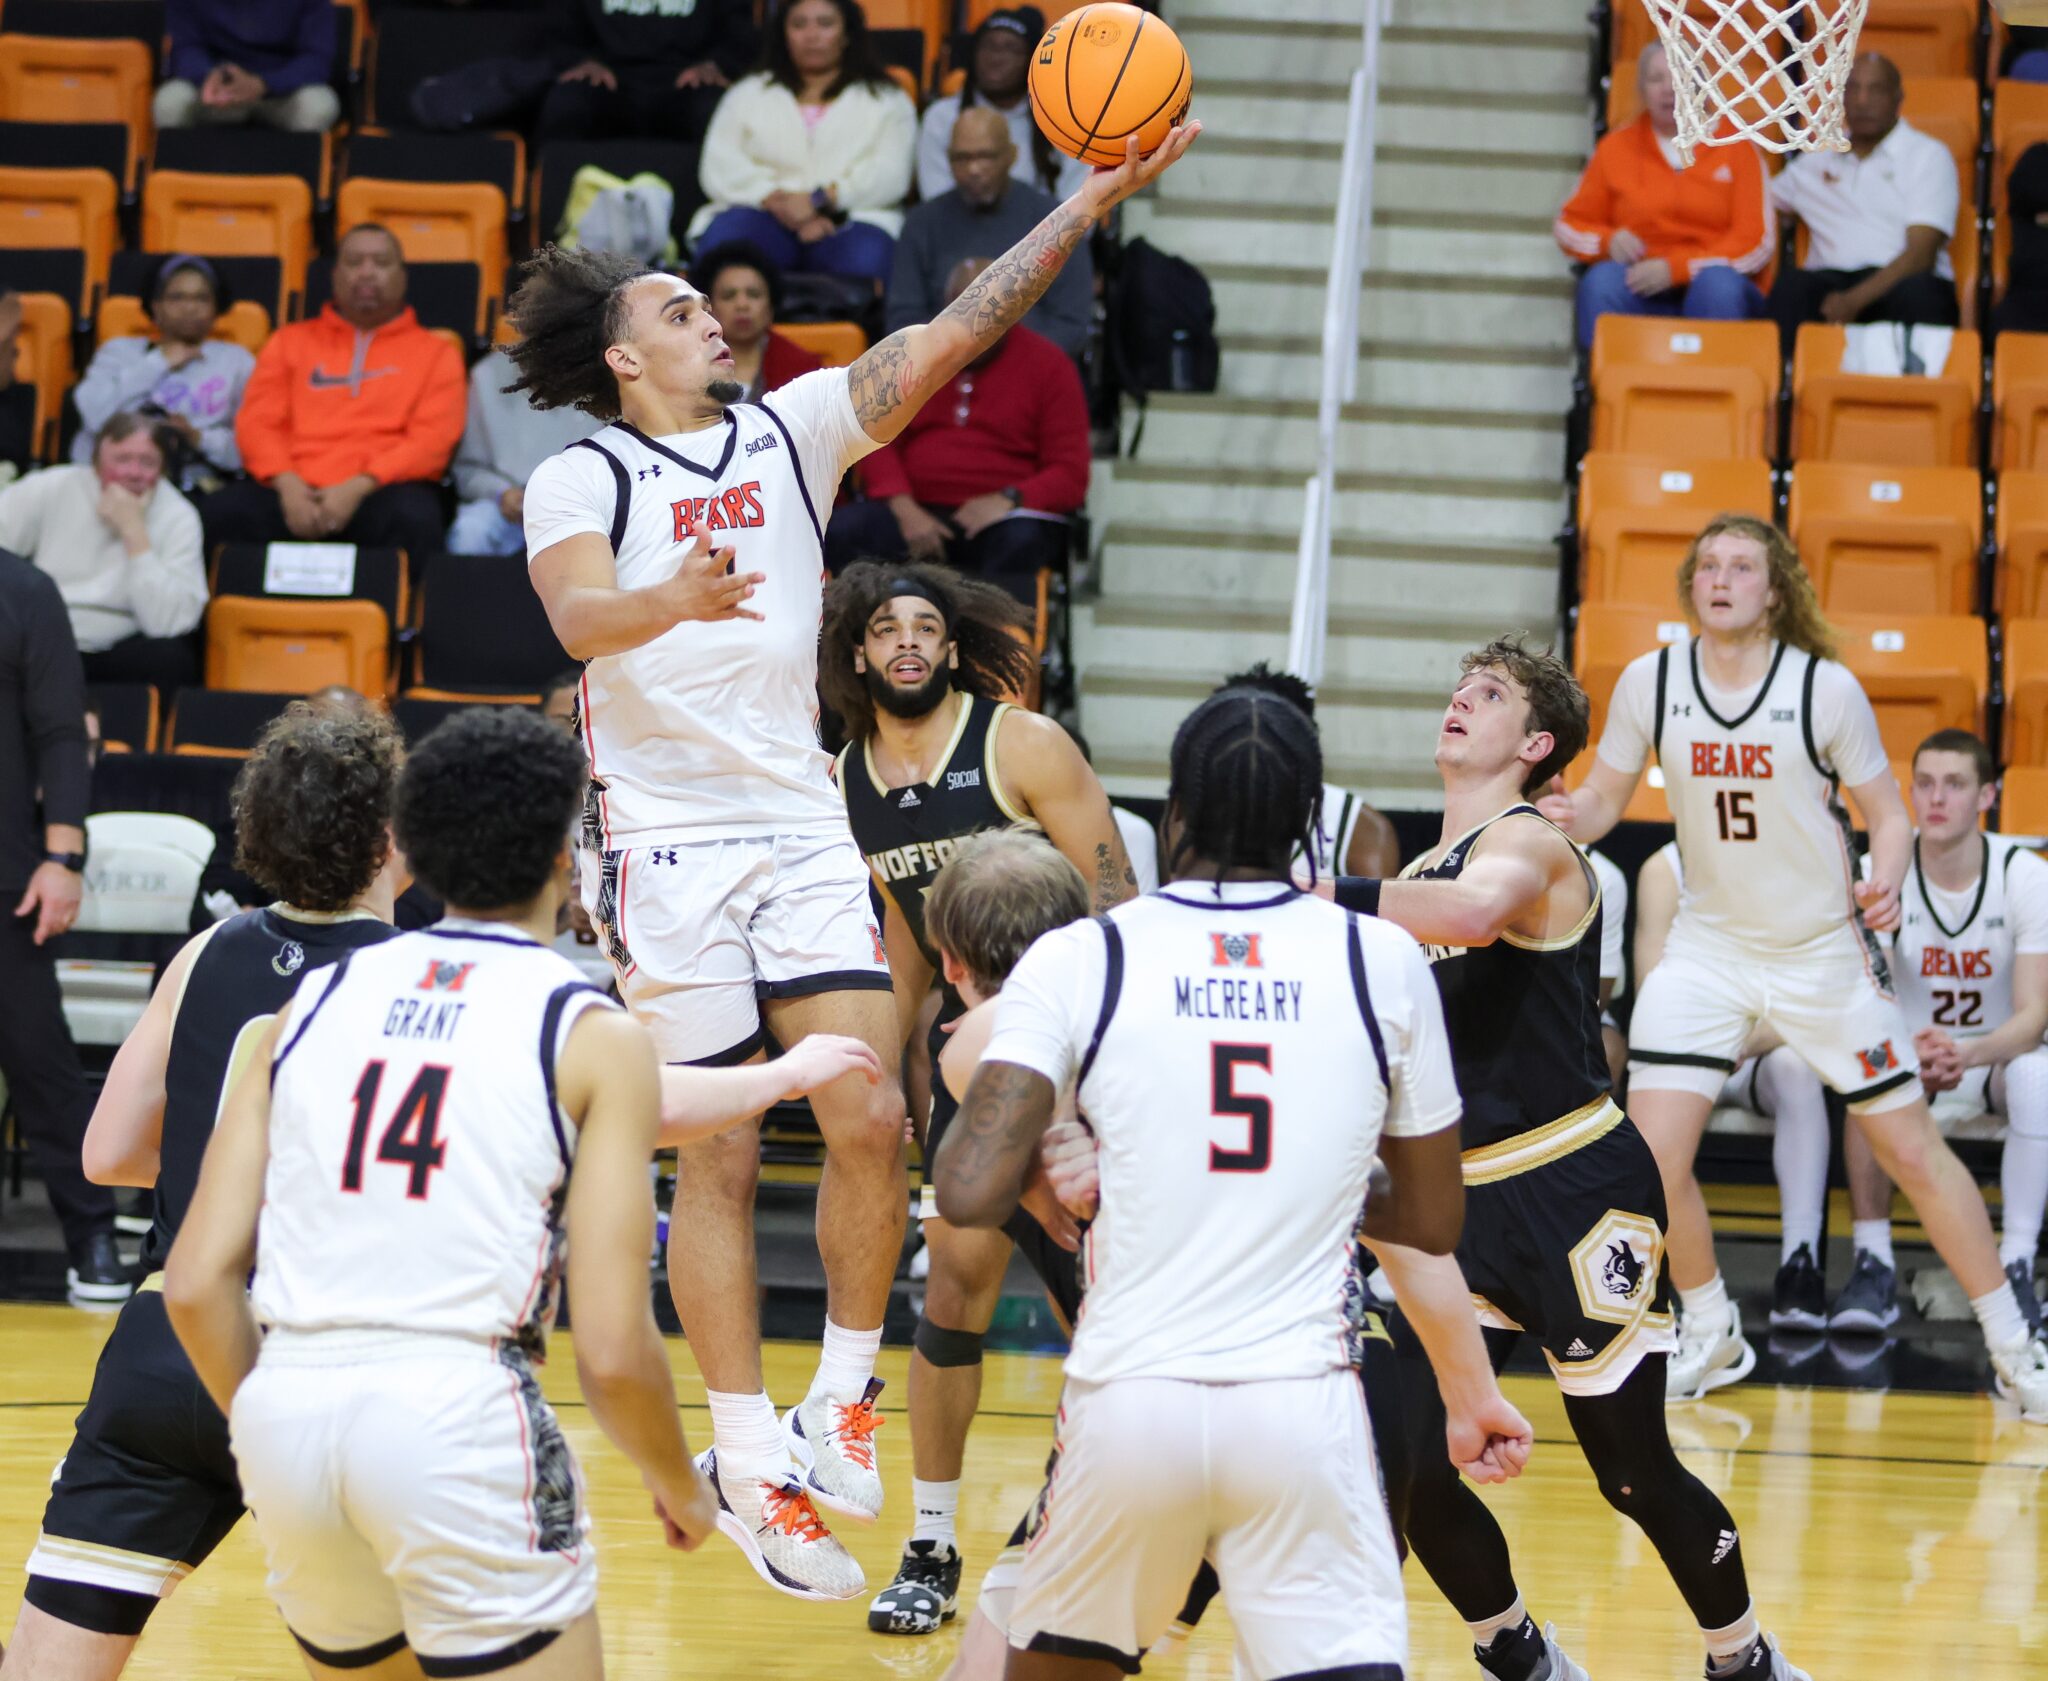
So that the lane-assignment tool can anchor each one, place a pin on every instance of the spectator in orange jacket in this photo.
(350, 419)
(1661, 240)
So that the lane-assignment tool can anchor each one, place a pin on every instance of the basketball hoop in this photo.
(1772, 71)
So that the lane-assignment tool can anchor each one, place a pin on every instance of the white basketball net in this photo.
(1772, 71)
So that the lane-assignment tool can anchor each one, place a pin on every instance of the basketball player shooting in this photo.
(680, 554)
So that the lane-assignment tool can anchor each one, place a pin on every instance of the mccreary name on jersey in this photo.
(1226, 998)
(1732, 758)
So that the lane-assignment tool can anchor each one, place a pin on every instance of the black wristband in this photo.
(1359, 893)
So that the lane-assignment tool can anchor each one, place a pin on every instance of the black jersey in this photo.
(245, 973)
(908, 833)
(1523, 1015)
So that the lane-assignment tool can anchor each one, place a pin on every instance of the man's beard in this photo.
(726, 391)
(919, 702)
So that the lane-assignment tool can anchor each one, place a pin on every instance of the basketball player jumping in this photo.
(912, 658)
(730, 889)
(1564, 1226)
(1217, 1264)
(1758, 729)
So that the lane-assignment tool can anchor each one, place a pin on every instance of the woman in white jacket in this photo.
(810, 157)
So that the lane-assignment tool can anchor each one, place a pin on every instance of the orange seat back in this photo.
(1923, 38)
(2023, 801)
(2019, 392)
(231, 216)
(42, 358)
(124, 317)
(838, 342)
(50, 79)
(435, 222)
(1879, 420)
(1638, 515)
(2026, 691)
(1889, 539)
(934, 17)
(61, 209)
(1922, 674)
(1686, 389)
(2021, 582)
(294, 647)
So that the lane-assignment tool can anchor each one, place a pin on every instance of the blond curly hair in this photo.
(1796, 617)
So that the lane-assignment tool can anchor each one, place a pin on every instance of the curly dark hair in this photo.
(1246, 783)
(738, 253)
(313, 804)
(1260, 675)
(570, 308)
(858, 60)
(984, 620)
(485, 806)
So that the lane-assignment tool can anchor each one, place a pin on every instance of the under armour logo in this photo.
(653, 472)
(1681, 709)
(662, 854)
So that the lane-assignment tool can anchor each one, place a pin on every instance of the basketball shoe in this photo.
(1712, 1353)
(925, 1594)
(774, 1523)
(833, 1442)
(2022, 1275)
(1870, 1300)
(1799, 1295)
(1762, 1662)
(1524, 1654)
(2022, 1371)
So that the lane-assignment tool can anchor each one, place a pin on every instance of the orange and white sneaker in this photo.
(833, 1442)
(774, 1523)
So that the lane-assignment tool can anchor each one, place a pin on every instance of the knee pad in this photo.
(2026, 1094)
(946, 1348)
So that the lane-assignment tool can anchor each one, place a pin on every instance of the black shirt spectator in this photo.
(2024, 308)
(652, 73)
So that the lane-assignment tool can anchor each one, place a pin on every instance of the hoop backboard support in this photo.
(1769, 71)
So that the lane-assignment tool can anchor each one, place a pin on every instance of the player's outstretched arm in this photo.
(891, 382)
(696, 1102)
(124, 1140)
(1062, 792)
(610, 1088)
(577, 581)
(992, 1146)
(1510, 871)
(206, 1279)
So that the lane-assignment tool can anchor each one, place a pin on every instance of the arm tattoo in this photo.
(986, 1153)
(882, 380)
(1109, 882)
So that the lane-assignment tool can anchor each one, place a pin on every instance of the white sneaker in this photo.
(1712, 1353)
(1764, 1663)
(834, 1444)
(2022, 1371)
(777, 1527)
(1561, 1666)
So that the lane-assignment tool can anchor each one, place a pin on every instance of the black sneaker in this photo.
(2022, 1275)
(1799, 1298)
(98, 1274)
(1870, 1300)
(925, 1594)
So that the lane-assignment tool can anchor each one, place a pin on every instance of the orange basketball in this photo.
(1104, 72)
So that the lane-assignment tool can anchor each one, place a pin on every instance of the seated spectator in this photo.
(17, 398)
(558, 697)
(188, 378)
(349, 420)
(985, 212)
(2024, 308)
(985, 474)
(241, 61)
(123, 547)
(1659, 239)
(1878, 220)
(643, 72)
(505, 439)
(996, 67)
(745, 291)
(809, 158)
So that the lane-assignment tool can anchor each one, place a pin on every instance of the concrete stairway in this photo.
(1450, 473)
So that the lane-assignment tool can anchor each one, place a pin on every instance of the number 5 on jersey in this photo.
(411, 1140)
(1226, 1099)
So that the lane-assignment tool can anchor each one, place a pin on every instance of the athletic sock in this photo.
(937, 1505)
(747, 1434)
(1709, 1300)
(1874, 1238)
(2023, 1172)
(1791, 1094)
(1998, 1311)
(1728, 1648)
(846, 1361)
(1510, 1646)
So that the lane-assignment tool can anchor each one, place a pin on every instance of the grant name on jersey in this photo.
(1742, 759)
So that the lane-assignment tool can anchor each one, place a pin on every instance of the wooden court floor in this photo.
(1887, 1535)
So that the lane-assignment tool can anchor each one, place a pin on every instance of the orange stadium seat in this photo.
(2026, 692)
(1879, 420)
(435, 222)
(1609, 636)
(2023, 801)
(934, 17)
(1922, 674)
(838, 342)
(46, 79)
(296, 647)
(2019, 392)
(125, 317)
(1638, 515)
(61, 210)
(231, 216)
(42, 358)
(1889, 539)
(1923, 37)
(2020, 585)
(2019, 117)
(1686, 389)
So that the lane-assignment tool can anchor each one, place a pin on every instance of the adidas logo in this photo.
(1724, 1546)
(1579, 1351)
(909, 799)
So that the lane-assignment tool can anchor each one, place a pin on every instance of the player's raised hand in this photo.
(1489, 1440)
(1106, 188)
(706, 586)
(1071, 1169)
(820, 1058)
(1879, 902)
(1556, 805)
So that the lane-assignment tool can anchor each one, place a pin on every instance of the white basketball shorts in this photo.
(412, 1490)
(1273, 1481)
(699, 935)
(1833, 1006)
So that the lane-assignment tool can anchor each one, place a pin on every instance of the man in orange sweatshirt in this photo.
(1663, 240)
(350, 419)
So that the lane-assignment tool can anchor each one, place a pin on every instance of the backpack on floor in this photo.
(1162, 326)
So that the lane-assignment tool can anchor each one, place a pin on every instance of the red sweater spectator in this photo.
(783, 359)
(984, 474)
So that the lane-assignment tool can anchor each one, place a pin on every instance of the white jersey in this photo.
(1339, 822)
(418, 1157)
(1238, 1050)
(1953, 952)
(1754, 780)
(710, 731)
(1613, 917)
